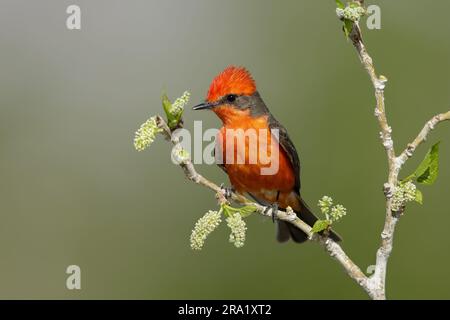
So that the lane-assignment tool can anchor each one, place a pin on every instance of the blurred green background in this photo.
(74, 191)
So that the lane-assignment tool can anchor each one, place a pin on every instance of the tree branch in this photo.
(376, 283)
(330, 246)
(429, 126)
(377, 280)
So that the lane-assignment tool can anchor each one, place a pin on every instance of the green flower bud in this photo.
(146, 134)
(180, 155)
(238, 228)
(325, 204)
(177, 107)
(352, 13)
(203, 228)
(337, 212)
(404, 192)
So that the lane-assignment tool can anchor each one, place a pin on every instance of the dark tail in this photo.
(288, 231)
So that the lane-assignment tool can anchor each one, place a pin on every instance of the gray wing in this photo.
(288, 146)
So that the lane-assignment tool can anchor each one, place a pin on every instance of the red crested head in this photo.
(232, 80)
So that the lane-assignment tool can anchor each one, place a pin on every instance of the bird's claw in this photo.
(273, 208)
(227, 191)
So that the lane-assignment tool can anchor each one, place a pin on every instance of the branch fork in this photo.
(375, 284)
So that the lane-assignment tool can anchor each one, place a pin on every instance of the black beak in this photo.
(204, 105)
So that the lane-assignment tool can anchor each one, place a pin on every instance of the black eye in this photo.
(231, 97)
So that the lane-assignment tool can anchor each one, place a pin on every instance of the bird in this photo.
(234, 98)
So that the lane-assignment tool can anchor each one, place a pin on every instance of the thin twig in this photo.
(333, 249)
(422, 136)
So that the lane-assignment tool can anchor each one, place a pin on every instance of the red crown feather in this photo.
(232, 80)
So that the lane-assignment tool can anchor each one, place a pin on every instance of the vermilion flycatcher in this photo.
(234, 99)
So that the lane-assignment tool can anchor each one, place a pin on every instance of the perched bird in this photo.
(233, 97)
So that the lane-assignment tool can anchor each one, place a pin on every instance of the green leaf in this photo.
(227, 210)
(431, 173)
(419, 197)
(339, 4)
(172, 119)
(247, 210)
(244, 211)
(167, 105)
(428, 169)
(320, 225)
(348, 25)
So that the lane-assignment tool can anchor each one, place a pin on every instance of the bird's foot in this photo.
(227, 191)
(273, 208)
